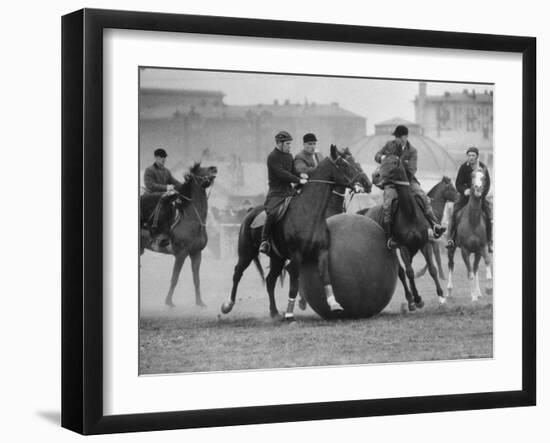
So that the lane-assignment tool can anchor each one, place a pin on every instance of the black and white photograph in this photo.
(297, 221)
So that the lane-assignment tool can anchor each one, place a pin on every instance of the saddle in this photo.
(259, 220)
(160, 211)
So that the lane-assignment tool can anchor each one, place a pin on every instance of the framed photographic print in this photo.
(271, 221)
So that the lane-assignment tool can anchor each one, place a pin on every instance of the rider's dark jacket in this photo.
(281, 173)
(157, 177)
(408, 156)
(464, 178)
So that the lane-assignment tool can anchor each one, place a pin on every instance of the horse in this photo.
(442, 193)
(302, 235)
(471, 236)
(188, 231)
(410, 226)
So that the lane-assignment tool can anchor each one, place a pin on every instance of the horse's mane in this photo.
(185, 188)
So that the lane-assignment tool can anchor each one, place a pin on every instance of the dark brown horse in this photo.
(410, 226)
(302, 235)
(440, 194)
(188, 231)
(471, 236)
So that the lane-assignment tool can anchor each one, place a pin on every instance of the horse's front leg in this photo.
(196, 259)
(477, 290)
(488, 271)
(408, 295)
(325, 278)
(426, 251)
(407, 261)
(275, 267)
(293, 272)
(178, 263)
(437, 255)
(466, 258)
(451, 266)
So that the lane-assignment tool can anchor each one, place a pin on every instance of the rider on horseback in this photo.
(281, 173)
(409, 157)
(307, 160)
(158, 179)
(463, 184)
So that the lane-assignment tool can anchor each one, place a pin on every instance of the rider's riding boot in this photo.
(452, 233)
(266, 231)
(437, 228)
(390, 241)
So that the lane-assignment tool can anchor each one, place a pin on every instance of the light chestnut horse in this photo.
(471, 237)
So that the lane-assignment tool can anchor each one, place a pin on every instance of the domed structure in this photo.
(433, 160)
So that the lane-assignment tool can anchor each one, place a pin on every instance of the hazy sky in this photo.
(377, 100)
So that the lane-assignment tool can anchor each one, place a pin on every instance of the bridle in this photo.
(199, 181)
(351, 180)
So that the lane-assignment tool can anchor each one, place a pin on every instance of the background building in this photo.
(457, 120)
(194, 124)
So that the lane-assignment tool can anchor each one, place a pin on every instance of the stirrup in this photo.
(264, 247)
(438, 230)
(391, 244)
(450, 244)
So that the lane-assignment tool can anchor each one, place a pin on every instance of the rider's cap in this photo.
(473, 149)
(309, 137)
(160, 153)
(283, 136)
(400, 131)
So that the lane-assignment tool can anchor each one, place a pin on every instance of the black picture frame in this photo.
(82, 218)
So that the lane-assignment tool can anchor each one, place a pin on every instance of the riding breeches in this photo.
(272, 203)
(428, 211)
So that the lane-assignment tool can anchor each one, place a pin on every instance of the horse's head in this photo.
(478, 182)
(347, 171)
(390, 170)
(450, 194)
(203, 176)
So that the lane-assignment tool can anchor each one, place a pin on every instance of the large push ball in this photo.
(362, 270)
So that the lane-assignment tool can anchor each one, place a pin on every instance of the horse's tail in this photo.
(259, 268)
(247, 242)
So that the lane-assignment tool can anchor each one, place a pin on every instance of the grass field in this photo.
(189, 339)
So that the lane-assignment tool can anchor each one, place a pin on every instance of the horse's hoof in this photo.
(201, 305)
(420, 304)
(442, 300)
(412, 307)
(227, 306)
(302, 304)
(289, 320)
(336, 307)
(274, 314)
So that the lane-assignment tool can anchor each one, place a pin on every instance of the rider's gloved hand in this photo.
(358, 188)
(304, 175)
(467, 192)
(303, 181)
(169, 188)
